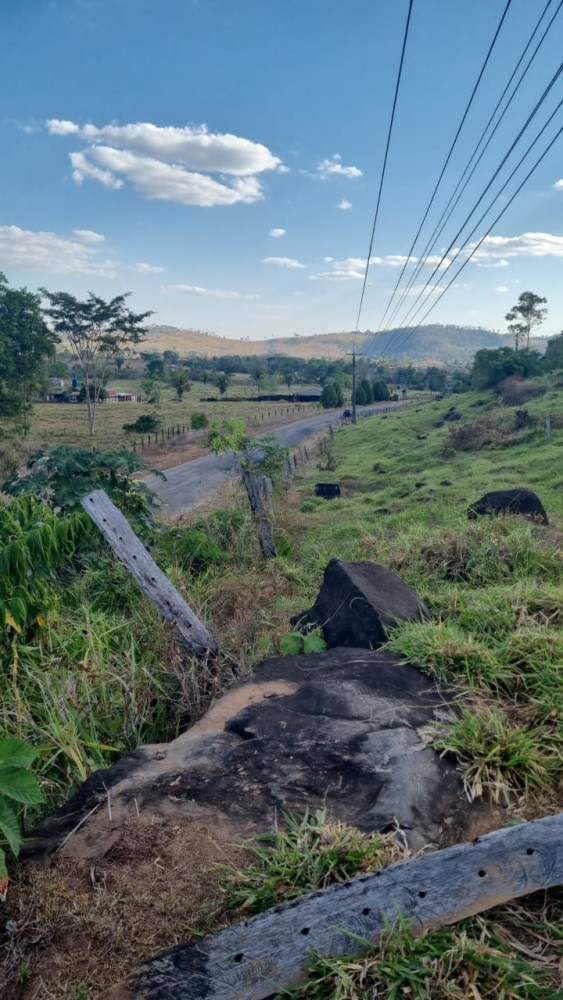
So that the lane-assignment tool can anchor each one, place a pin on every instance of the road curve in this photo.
(186, 483)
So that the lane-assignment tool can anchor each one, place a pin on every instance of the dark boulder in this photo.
(358, 602)
(438, 423)
(453, 415)
(446, 482)
(524, 502)
(348, 730)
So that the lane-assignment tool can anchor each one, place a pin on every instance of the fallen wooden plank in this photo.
(127, 547)
(253, 960)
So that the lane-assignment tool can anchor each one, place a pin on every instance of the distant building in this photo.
(118, 396)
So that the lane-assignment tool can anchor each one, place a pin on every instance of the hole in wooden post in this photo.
(366, 911)
(239, 957)
(304, 930)
(529, 850)
(422, 893)
(482, 873)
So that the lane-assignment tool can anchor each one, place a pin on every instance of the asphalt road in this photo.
(185, 484)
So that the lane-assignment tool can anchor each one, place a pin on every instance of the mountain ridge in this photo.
(443, 343)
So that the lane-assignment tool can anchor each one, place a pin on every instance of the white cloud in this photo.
(88, 236)
(189, 146)
(283, 261)
(276, 233)
(525, 245)
(83, 168)
(558, 185)
(334, 166)
(353, 268)
(502, 288)
(345, 205)
(147, 268)
(154, 179)
(52, 254)
(425, 290)
(491, 263)
(209, 293)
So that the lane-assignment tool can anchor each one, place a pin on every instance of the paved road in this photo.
(187, 483)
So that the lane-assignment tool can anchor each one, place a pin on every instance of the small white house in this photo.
(118, 396)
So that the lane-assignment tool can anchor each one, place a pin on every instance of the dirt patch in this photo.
(73, 929)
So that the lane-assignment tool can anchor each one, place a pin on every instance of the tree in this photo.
(25, 343)
(171, 357)
(329, 399)
(180, 381)
(380, 390)
(491, 367)
(222, 381)
(553, 358)
(367, 391)
(288, 376)
(524, 317)
(97, 331)
(155, 367)
(359, 397)
(152, 389)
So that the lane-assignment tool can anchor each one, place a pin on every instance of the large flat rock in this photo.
(347, 729)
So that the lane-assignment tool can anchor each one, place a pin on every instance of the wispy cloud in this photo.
(209, 293)
(502, 288)
(142, 268)
(353, 268)
(276, 233)
(334, 165)
(88, 236)
(169, 163)
(283, 262)
(525, 245)
(345, 205)
(51, 254)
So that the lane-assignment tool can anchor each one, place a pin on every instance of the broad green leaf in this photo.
(290, 645)
(16, 752)
(19, 785)
(10, 829)
(313, 644)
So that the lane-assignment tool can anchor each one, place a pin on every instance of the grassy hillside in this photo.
(432, 343)
(102, 674)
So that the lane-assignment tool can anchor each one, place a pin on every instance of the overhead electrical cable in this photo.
(467, 219)
(474, 249)
(461, 187)
(383, 169)
(450, 153)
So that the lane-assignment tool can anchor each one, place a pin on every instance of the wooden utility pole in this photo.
(354, 414)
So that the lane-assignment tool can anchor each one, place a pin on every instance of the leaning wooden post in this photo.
(259, 490)
(131, 552)
(259, 957)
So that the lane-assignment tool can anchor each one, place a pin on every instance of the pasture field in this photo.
(67, 423)
(103, 674)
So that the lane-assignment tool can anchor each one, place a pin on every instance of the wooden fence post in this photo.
(261, 956)
(191, 632)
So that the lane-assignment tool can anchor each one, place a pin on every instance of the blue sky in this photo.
(221, 159)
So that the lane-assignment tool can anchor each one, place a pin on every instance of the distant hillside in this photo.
(438, 343)
(325, 345)
(433, 343)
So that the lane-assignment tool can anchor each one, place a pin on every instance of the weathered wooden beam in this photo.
(253, 960)
(132, 553)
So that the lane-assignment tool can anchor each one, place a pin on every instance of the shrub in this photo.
(17, 785)
(515, 391)
(145, 424)
(198, 421)
(191, 549)
(62, 476)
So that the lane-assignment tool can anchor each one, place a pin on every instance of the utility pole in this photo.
(354, 414)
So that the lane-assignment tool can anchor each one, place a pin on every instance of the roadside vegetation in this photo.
(90, 671)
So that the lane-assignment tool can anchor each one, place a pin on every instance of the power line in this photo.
(449, 156)
(399, 74)
(491, 226)
(449, 209)
(467, 219)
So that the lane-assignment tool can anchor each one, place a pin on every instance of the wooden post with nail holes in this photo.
(258, 958)
(132, 553)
